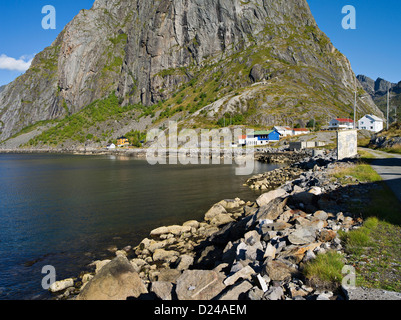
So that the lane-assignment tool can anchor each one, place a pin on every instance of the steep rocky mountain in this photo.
(378, 91)
(264, 62)
(2, 88)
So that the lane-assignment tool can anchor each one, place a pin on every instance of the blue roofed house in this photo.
(260, 138)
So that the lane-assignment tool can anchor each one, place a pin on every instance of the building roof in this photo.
(263, 133)
(373, 118)
(345, 120)
(283, 128)
(301, 129)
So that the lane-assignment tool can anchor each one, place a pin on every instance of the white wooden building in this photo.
(341, 124)
(371, 123)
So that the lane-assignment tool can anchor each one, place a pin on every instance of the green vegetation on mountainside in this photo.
(290, 93)
(76, 127)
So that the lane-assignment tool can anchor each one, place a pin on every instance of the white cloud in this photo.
(8, 63)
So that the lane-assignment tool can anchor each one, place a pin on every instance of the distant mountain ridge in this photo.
(378, 89)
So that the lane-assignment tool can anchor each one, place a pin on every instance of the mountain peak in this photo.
(265, 59)
(378, 90)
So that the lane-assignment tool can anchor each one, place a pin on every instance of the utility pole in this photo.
(388, 107)
(355, 106)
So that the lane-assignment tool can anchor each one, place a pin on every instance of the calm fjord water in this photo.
(65, 210)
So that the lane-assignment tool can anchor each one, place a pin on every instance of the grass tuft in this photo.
(326, 268)
(361, 171)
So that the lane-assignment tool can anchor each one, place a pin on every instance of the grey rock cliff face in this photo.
(381, 86)
(378, 90)
(367, 83)
(142, 51)
(378, 87)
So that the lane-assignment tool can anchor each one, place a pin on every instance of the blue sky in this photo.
(21, 32)
(373, 47)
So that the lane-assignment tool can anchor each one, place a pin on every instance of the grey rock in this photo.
(61, 285)
(168, 256)
(271, 211)
(274, 293)
(266, 198)
(276, 226)
(241, 251)
(169, 275)
(276, 270)
(236, 267)
(235, 293)
(254, 253)
(309, 255)
(252, 237)
(302, 236)
(324, 296)
(174, 230)
(321, 215)
(245, 273)
(199, 285)
(255, 294)
(258, 73)
(162, 289)
(185, 261)
(270, 251)
(214, 211)
(221, 219)
(115, 281)
(263, 283)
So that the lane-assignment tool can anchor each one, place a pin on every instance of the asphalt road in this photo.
(388, 166)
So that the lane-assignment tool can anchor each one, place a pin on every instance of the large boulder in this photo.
(267, 197)
(214, 211)
(303, 236)
(175, 230)
(115, 281)
(221, 219)
(271, 211)
(245, 273)
(277, 270)
(231, 203)
(199, 285)
(61, 285)
(162, 289)
(236, 292)
(161, 255)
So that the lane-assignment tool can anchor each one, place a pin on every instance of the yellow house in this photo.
(122, 142)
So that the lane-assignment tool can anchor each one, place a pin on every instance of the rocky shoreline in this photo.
(78, 151)
(281, 156)
(143, 152)
(254, 250)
